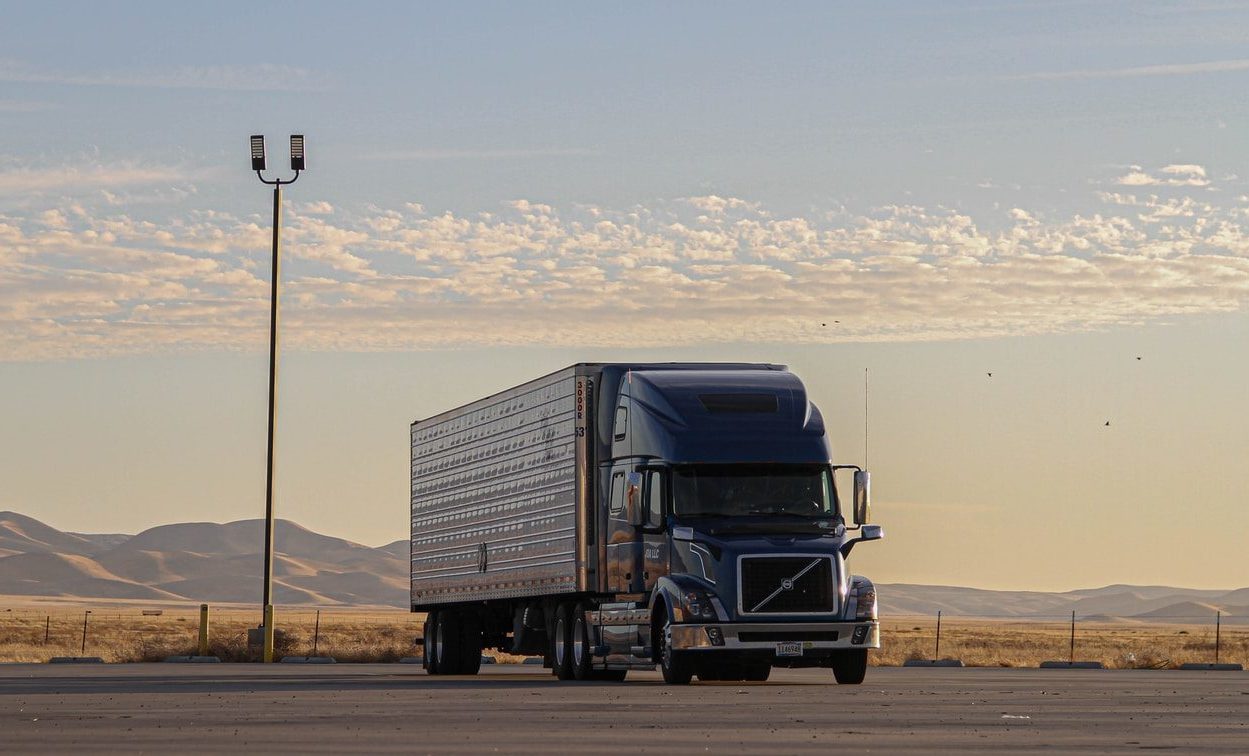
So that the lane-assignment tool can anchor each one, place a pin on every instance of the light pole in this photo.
(258, 165)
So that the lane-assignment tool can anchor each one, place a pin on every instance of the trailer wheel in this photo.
(561, 642)
(850, 667)
(609, 675)
(429, 659)
(582, 651)
(469, 662)
(677, 666)
(758, 672)
(447, 644)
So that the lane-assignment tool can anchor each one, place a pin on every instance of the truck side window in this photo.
(622, 422)
(654, 499)
(617, 493)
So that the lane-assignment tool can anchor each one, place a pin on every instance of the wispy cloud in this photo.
(493, 154)
(1170, 69)
(16, 180)
(1171, 175)
(76, 282)
(25, 106)
(261, 77)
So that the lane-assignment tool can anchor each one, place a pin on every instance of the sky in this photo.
(1054, 193)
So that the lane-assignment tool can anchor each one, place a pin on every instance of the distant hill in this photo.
(206, 561)
(199, 561)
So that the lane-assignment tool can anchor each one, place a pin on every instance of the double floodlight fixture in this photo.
(297, 152)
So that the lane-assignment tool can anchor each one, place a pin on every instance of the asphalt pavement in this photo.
(239, 708)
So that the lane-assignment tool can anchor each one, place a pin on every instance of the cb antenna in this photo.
(867, 410)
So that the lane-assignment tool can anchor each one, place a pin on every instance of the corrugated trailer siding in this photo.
(494, 496)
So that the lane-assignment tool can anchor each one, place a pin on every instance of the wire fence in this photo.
(1027, 641)
(118, 634)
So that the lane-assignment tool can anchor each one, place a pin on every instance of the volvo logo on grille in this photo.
(787, 584)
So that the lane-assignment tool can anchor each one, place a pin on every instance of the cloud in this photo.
(1173, 175)
(469, 154)
(1172, 69)
(24, 181)
(263, 77)
(80, 282)
(25, 106)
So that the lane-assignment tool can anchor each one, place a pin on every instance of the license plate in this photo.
(789, 648)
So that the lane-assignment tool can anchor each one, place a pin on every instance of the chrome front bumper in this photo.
(755, 636)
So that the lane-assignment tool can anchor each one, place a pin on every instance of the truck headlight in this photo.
(865, 607)
(695, 605)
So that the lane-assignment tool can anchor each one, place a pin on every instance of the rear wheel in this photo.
(850, 667)
(609, 675)
(582, 651)
(469, 662)
(677, 666)
(561, 643)
(446, 660)
(429, 643)
(758, 672)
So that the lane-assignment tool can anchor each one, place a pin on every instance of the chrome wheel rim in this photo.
(438, 644)
(578, 643)
(559, 641)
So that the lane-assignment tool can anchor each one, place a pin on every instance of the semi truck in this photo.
(612, 517)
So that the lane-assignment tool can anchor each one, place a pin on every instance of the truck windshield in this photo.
(753, 490)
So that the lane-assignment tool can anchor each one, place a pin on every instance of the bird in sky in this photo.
(1138, 359)
(989, 374)
(1107, 423)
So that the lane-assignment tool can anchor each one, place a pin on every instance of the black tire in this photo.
(582, 650)
(469, 662)
(677, 666)
(561, 643)
(757, 672)
(427, 643)
(609, 675)
(850, 667)
(446, 644)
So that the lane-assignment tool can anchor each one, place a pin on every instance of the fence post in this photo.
(936, 654)
(1071, 659)
(316, 633)
(203, 629)
(1218, 617)
(85, 614)
(47, 628)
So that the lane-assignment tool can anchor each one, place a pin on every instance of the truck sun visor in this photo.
(718, 403)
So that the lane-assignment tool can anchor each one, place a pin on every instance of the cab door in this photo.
(654, 526)
(624, 547)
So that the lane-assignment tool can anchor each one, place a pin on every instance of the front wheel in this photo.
(850, 667)
(677, 666)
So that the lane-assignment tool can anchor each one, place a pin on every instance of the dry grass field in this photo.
(121, 632)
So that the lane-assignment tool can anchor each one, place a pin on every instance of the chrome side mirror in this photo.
(862, 496)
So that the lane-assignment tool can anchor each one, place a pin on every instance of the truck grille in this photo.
(788, 585)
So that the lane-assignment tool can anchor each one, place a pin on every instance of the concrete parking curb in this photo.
(309, 660)
(75, 660)
(412, 660)
(192, 660)
(933, 663)
(1214, 667)
(1072, 665)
